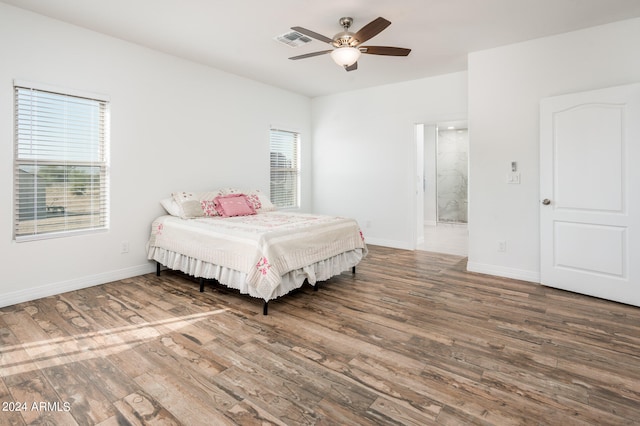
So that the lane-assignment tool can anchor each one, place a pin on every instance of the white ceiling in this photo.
(237, 35)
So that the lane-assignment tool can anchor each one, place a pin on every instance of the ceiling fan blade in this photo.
(385, 50)
(371, 30)
(312, 54)
(312, 34)
(352, 67)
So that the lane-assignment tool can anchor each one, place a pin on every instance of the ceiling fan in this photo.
(347, 45)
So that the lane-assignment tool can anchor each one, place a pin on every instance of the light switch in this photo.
(513, 177)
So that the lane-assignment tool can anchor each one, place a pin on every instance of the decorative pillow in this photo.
(259, 200)
(170, 206)
(188, 204)
(191, 209)
(233, 205)
(209, 207)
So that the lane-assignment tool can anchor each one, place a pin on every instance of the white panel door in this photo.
(590, 193)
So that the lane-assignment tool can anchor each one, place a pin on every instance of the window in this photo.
(285, 170)
(60, 163)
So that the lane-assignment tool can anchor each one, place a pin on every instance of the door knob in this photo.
(546, 201)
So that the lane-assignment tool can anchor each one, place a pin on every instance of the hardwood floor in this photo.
(412, 338)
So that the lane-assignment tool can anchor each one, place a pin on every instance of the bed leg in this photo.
(353, 270)
(201, 285)
(157, 269)
(265, 308)
(316, 286)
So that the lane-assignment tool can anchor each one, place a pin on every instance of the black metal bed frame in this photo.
(201, 281)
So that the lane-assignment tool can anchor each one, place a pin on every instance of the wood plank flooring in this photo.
(411, 339)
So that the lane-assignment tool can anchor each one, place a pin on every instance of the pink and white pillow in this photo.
(259, 200)
(209, 207)
(233, 205)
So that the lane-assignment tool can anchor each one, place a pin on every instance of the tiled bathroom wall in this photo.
(452, 175)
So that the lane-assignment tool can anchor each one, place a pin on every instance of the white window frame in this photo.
(284, 166)
(61, 147)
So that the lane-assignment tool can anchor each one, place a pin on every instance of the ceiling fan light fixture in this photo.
(345, 56)
(347, 46)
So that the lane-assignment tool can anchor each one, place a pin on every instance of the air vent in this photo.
(293, 39)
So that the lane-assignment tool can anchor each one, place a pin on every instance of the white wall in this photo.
(175, 125)
(364, 152)
(505, 88)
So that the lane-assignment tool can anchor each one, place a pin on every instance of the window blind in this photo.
(60, 164)
(285, 170)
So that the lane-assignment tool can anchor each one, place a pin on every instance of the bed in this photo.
(237, 238)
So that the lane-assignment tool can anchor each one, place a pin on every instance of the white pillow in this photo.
(188, 204)
(170, 206)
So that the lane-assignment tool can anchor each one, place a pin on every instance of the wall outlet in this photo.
(124, 247)
(513, 178)
(502, 246)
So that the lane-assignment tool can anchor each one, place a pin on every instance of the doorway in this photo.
(442, 164)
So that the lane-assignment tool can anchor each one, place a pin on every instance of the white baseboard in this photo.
(501, 271)
(389, 243)
(51, 289)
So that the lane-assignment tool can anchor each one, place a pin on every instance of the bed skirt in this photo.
(319, 271)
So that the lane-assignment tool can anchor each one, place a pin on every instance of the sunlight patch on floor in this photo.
(24, 357)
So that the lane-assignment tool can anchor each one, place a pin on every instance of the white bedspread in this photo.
(265, 247)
